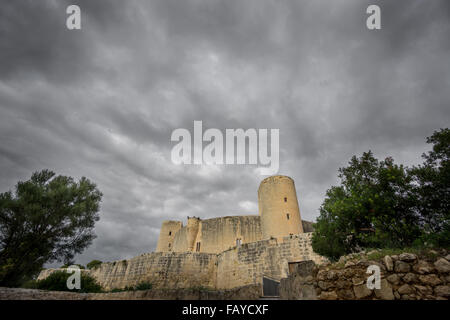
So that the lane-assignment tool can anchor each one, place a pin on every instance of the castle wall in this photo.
(163, 270)
(250, 262)
(235, 267)
(217, 234)
(167, 234)
(220, 234)
(192, 232)
(180, 243)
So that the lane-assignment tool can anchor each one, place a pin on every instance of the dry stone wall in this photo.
(405, 276)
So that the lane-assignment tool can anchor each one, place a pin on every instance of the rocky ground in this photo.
(251, 292)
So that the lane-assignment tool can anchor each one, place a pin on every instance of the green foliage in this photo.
(380, 204)
(373, 207)
(30, 284)
(47, 218)
(57, 281)
(144, 286)
(432, 187)
(138, 287)
(94, 264)
(422, 252)
(65, 266)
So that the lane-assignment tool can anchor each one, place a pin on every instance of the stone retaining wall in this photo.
(403, 277)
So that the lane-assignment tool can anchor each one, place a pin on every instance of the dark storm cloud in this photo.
(102, 102)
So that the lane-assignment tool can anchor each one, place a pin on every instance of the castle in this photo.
(279, 216)
(222, 253)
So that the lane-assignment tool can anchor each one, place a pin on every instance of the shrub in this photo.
(65, 266)
(144, 286)
(30, 284)
(94, 264)
(57, 281)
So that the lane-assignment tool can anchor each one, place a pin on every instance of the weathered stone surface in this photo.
(328, 295)
(305, 268)
(361, 291)
(447, 257)
(442, 265)
(409, 277)
(389, 263)
(325, 285)
(322, 275)
(349, 264)
(376, 263)
(405, 289)
(393, 278)
(348, 273)
(242, 293)
(442, 291)
(408, 280)
(423, 289)
(408, 257)
(346, 294)
(358, 280)
(332, 275)
(385, 292)
(401, 266)
(294, 288)
(423, 267)
(341, 284)
(430, 279)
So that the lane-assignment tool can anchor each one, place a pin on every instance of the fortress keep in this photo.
(222, 253)
(279, 216)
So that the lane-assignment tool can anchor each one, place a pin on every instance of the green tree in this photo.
(373, 207)
(94, 264)
(65, 266)
(47, 218)
(432, 188)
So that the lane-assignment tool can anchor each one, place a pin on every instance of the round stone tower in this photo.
(278, 208)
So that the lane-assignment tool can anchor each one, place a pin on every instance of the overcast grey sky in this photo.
(102, 101)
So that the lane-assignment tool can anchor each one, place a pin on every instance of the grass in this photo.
(419, 251)
(378, 254)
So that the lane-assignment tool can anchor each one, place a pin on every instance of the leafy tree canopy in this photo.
(47, 218)
(385, 205)
(432, 187)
